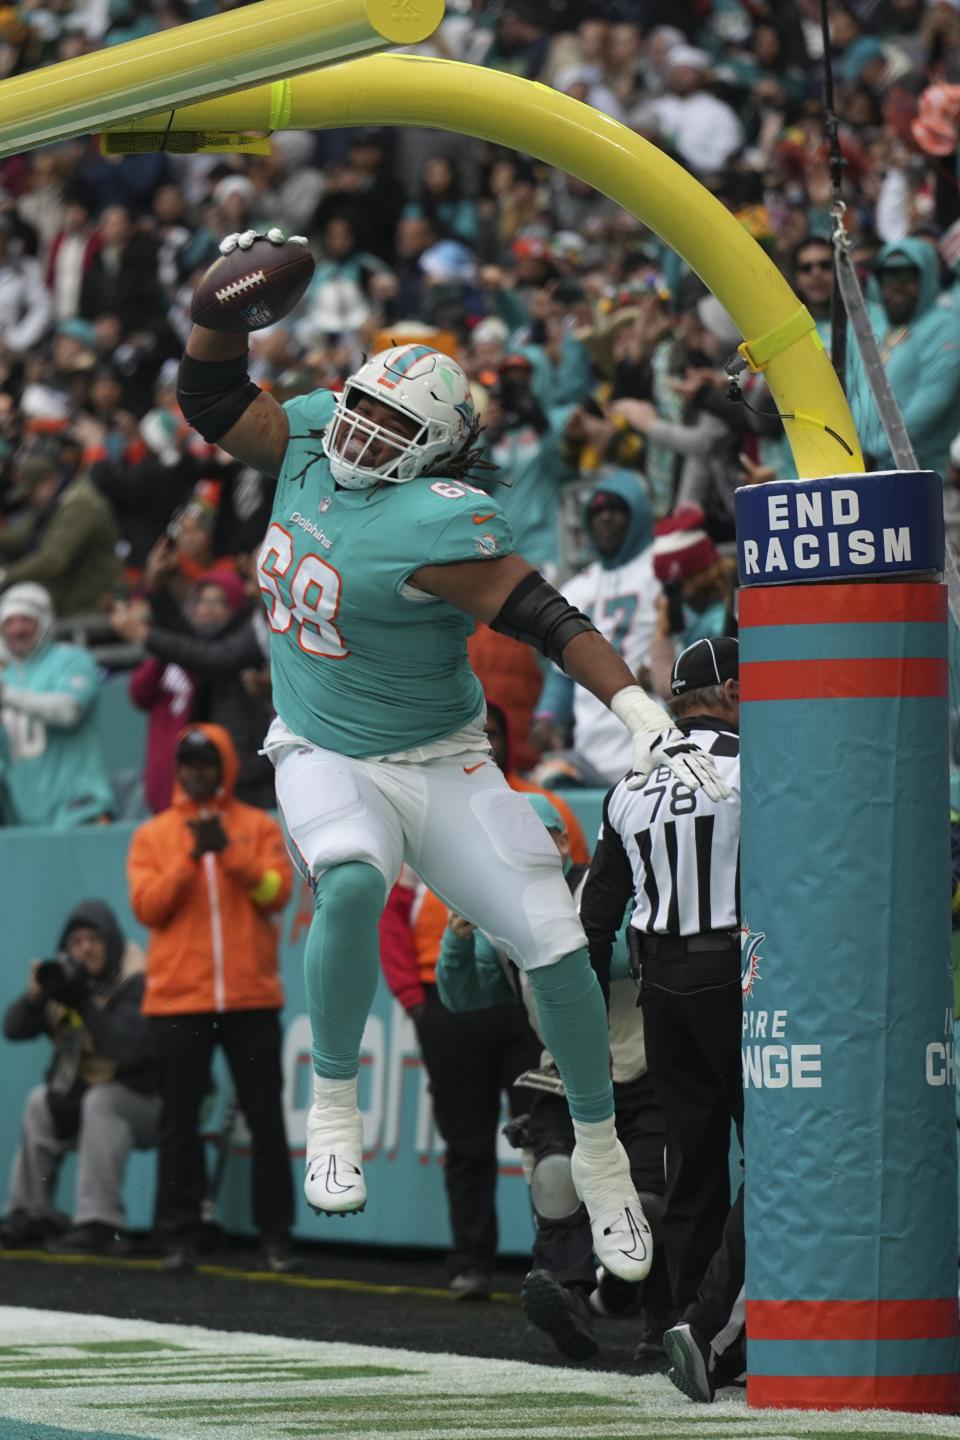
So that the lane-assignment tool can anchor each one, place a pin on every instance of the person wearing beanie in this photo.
(696, 599)
(52, 769)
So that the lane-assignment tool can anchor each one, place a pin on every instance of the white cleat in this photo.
(333, 1182)
(622, 1241)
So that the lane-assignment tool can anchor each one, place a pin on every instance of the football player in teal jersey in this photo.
(379, 557)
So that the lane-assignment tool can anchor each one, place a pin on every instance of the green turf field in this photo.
(79, 1377)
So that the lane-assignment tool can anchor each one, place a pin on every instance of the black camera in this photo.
(518, 404)
(64, 980)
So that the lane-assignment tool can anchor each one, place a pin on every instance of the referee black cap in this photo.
(706, 662)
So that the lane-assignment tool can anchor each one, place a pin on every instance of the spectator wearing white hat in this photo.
(701, 129)
(54, 770)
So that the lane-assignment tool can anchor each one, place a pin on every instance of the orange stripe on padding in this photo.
(842, 679)
(852, 1319)
(841, 604)
(937, 1393)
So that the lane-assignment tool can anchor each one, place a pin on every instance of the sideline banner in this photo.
(46, 873)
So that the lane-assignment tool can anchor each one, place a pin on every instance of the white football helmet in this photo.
(423, 385)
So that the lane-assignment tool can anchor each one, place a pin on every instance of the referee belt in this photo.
(678, 947)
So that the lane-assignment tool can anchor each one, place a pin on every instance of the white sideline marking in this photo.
(140, 1394)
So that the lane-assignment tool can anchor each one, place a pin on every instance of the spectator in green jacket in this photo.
(65, 537)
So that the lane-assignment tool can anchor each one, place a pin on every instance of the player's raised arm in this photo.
(239, 293)
(513, 598)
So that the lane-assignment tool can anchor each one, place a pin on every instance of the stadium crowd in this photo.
(595, 355)
(595, 358)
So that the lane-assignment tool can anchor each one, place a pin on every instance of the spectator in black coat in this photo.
(223, 645)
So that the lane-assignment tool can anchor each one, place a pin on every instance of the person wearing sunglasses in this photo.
(920, 345)
(812, 275)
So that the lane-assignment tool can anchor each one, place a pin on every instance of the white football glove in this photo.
(245, 238)
(658, 742)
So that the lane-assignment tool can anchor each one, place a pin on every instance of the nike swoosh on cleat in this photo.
(638, 1249)
(332, 1183)
(469, 769)
(482, 519)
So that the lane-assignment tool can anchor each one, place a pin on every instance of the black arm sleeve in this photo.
(537, 614)
(213, 394)
(606, 892)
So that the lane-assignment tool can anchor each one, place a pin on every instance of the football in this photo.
(251, 289)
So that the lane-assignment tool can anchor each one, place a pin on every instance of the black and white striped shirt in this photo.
(672, 850)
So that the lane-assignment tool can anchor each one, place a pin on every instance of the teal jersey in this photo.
(362, 663)
(535, 466)
(53, 775)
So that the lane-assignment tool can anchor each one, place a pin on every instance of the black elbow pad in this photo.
(213, 394)
(537, 614)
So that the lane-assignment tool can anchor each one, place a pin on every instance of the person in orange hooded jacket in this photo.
(208, 876)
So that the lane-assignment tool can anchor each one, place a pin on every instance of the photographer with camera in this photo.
(100, 1096)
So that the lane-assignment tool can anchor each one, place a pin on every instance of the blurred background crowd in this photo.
(596, 356)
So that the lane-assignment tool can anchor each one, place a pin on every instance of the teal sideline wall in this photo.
(46, 873)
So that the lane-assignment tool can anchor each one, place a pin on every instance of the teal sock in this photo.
(573, 1023)
(341, 964)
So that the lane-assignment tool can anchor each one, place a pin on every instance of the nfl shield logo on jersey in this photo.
(325, 504)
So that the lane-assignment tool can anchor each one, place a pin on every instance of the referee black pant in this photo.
(471, 1057)
(251, 1041)
(692, 1022)
(719, 1311)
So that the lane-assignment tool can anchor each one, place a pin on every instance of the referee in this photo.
(675, 853)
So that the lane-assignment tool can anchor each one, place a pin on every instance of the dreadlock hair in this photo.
(469, 459)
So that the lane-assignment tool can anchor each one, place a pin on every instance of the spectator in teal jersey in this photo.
(526, 442)
(55, 771)
(920, 347)
(537, 308)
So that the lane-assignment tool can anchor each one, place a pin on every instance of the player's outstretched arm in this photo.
(216, 394)
(512, 597)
